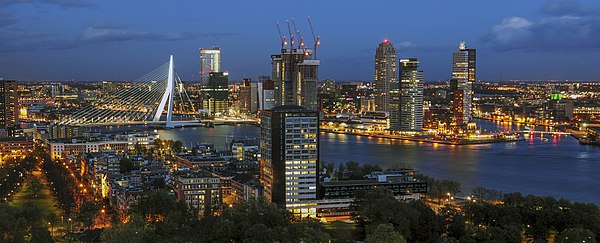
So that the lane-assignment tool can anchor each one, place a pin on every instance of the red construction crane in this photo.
(291, 35)
(301, 44)
(316, 38)
(281, 37)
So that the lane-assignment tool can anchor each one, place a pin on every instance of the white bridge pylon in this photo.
(167, 96)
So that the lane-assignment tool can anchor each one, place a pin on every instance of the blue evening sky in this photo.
(121, 40)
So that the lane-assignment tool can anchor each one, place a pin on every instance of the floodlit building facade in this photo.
(289, 163)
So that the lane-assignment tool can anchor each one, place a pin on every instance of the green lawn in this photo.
(44, 202)
(341, 231)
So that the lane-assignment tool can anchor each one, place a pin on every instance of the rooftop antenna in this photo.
(316, 38)
(462, 45)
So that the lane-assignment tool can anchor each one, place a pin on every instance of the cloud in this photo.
(61, 3)
(569, 27)
(95, 34)
(568, 7)
(406, 45)
(116, 33)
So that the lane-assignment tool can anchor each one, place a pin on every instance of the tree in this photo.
(171, 219)
(40, 234)
(52, 218)
(374, 207)
(35, 187)
(576, 235)
(259, 233)
(136, 230)
(455, 222)
(487, 195)
(414, 220)
(177, 146)
(385, 233)
(87, 213)
(20, 230)
(7, 222)
(30, 212)
(125, 165)
(306, 231)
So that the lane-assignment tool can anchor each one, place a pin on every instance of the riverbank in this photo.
(513, 122)
(427, 140)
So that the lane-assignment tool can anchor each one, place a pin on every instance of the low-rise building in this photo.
(198, 189)
(245, 191)
(15, 146)
(143, 139)
(336, 196)
(62, 147)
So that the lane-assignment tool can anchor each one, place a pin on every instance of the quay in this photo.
(427, 140)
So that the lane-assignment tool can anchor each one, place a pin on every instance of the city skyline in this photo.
(113, 41)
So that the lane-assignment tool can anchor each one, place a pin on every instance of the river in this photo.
(550, 165)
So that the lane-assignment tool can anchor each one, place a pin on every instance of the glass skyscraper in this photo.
(463, 78)
(385, 75)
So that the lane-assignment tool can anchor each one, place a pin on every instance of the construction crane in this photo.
(316, 38)
(301, 44)
(291, 35)
(281, 37)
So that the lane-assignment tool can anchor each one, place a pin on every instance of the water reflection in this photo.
(542, 165)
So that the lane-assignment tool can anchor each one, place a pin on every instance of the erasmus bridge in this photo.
(150, 99)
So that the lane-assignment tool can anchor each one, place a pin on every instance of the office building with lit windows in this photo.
(9, 106)
(210, 62)
(411, 95)
(215, 95)
(463, 78)
(289, 163)
(385, 75)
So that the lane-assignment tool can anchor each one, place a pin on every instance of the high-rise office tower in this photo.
(289, 163)
(385, 74)
(295, 75)
(254, 97)
(267, 95)
(411, 95)
(245, 97)
(215, 94)
(210, 61)
(9, 106)
(463, 76)
(261, 83)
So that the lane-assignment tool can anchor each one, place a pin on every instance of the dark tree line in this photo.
(13, 174)
(160, 218)
(514, 219)
(537, 218)
(62, 184)
(440, 189)
(350, 170)
(22, 224)
(413, 220)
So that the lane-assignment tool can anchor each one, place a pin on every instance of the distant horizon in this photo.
(323, 80)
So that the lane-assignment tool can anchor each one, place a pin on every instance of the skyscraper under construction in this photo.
(295, 75)
(295, 72)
